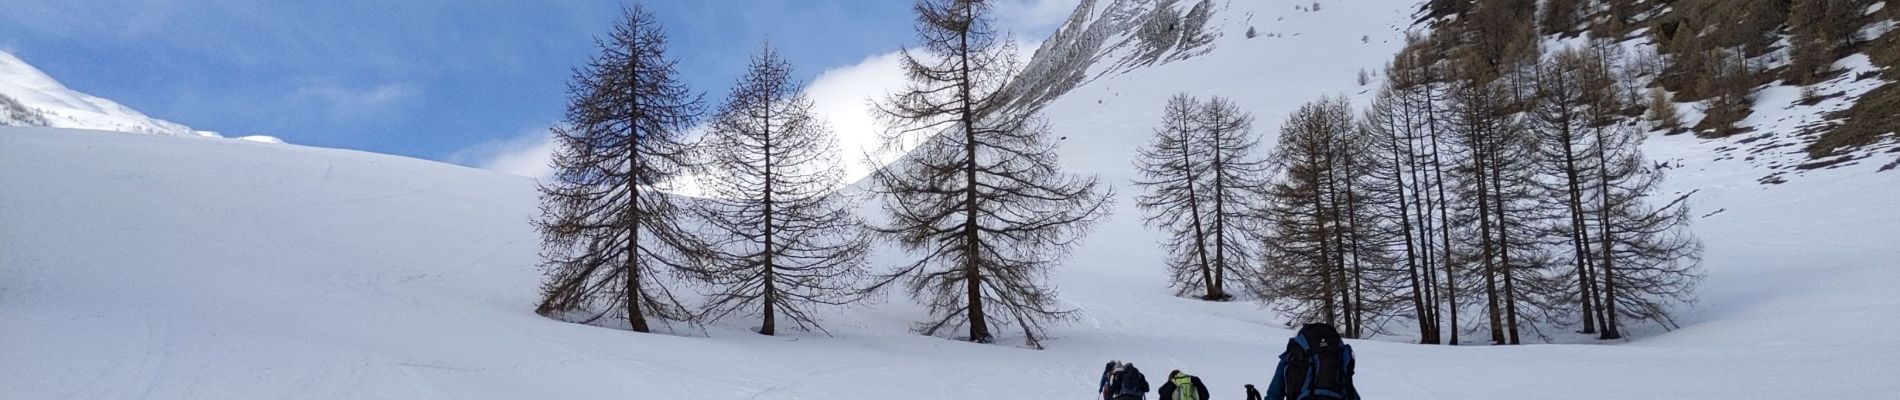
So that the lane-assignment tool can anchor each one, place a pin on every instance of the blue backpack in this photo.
(1318, 365)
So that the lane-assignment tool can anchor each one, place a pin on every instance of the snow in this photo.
(261, 139)
(66, 108)
(156, 267)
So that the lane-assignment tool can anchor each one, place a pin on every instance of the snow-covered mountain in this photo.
(29, 97)
(153, 267)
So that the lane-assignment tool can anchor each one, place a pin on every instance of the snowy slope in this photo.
(27, 88)
(151, 267)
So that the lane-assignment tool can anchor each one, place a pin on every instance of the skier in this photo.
(1182, 386)
(1315, 366)
(1127, 383)
(1108, 380)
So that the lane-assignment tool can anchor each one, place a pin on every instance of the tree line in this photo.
(1486, 180)
(981, 201)
(1507, 190)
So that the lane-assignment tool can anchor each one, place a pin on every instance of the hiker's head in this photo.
(1174, 373)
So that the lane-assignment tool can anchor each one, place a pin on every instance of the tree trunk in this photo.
(1200, 236)
(1411, 256)
(1508, 271)
(972, 272)
(1610, 328)
(1578, 238)
(1489, 249)
(1444, 220)
(1216, 291)
(770, 300)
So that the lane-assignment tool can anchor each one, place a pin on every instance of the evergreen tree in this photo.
(610, 237)
(982, 199)
(786, 240)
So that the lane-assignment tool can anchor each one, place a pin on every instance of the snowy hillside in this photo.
(154, 267)
(28, 97)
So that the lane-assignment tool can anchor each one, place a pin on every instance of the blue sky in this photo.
(455, 80)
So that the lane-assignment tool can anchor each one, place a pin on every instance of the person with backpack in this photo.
(1315, 366)
(1182, 386)
(1252, 393)
(1108, 379)
(1127, 383)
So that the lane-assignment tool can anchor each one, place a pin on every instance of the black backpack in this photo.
(1318, 365)
(1130, 382)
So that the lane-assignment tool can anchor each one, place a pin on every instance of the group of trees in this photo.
(1720, 50)
(1714, 51)
(769, 239)
(981, 198)
(1203, 185)
(1478, 181)
(1485, 177)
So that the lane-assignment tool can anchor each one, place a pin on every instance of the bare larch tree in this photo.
(782, 240)
(1203, 184)
(1235, 179)
(1174, 173)
(610, 238)
(1319, 242)
(982, 197)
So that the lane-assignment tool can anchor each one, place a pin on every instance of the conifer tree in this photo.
(1236, 175)
(1174, 172)
(1314, 240)
(1203, 179)
(785, 241)
(982, 200)
(610, 237)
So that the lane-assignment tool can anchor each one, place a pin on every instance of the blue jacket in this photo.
(1276, 389)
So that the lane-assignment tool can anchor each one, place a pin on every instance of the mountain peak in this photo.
(30, 97)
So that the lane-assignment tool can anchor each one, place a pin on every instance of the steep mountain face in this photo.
(28, 97)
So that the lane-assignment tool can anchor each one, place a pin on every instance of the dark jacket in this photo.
(1167, 389)
(1129, 385)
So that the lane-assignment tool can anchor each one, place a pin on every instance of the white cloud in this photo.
(843, 97)
(526, 154)
(347, 102)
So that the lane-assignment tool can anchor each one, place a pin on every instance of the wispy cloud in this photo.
(345, 102)
(525, 154)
